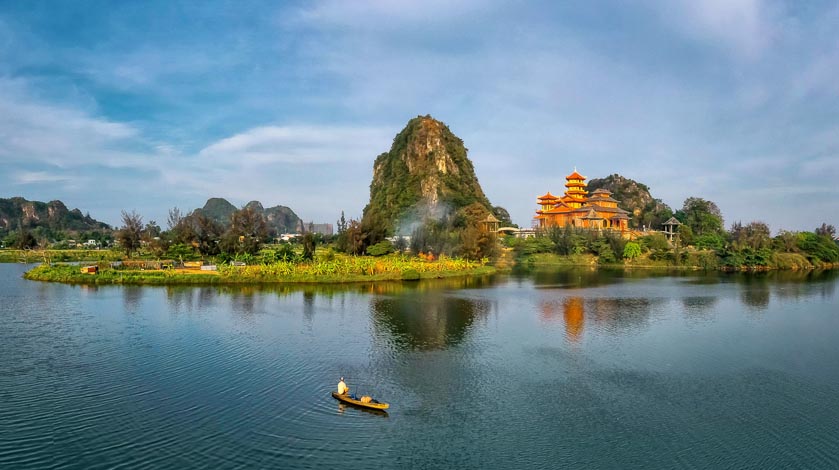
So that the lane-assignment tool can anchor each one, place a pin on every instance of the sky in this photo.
(112, 106)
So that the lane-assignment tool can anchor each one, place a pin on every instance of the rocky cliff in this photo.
(426, 174)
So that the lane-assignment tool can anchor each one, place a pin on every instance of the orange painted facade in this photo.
(578, 208)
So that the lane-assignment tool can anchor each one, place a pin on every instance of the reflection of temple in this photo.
(573, 316)
(579, 209)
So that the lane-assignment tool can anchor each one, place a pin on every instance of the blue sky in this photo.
(149, 105)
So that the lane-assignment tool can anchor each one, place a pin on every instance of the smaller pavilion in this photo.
(671, 228)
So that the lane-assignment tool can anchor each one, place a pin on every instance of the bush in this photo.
(818, 248)
(707, 260)
(709, 241)
(410, 275)
(656, 241)
(382, 248)
(631, 250)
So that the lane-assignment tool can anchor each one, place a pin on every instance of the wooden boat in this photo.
(375, 405)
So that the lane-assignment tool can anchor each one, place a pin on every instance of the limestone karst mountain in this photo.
(18, 212)
(279, 219)
(425, 174)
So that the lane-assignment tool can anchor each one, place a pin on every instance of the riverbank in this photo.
(344, 270)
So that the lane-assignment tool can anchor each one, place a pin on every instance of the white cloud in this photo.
(744, 27)
(33, 131)
(298, 144)
(30, 177)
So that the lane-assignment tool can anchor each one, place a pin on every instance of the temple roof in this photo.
(592, 215)
(548, 196)
(617, 210)
(575, 176)
(672, 221)
(601, 190)
(490, 218)
(602, 198)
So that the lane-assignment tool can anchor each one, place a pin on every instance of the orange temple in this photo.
(577, 208)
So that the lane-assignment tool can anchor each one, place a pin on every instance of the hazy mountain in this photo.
(279, 219)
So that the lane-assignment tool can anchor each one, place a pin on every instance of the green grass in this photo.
(339, 270)
(36, 256)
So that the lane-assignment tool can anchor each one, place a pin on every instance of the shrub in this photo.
(656, 241)
(818, 248)
(410, 275)
(712, 241)
(631, 250)
(382, 248)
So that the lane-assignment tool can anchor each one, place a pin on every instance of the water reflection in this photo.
(131, 297)
(433, 320)
(574, 315)
(612, 315)
(699, 306)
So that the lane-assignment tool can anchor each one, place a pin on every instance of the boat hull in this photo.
(347, 399)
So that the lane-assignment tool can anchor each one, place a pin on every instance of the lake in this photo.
(576, 368)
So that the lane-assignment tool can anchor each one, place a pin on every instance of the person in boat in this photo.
(342, 387)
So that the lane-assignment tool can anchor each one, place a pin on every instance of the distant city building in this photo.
(323, 229)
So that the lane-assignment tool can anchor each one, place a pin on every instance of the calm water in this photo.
(554, 370)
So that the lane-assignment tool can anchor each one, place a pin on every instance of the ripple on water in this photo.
(499, 378)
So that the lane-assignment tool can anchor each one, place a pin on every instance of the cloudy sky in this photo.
(148, 105)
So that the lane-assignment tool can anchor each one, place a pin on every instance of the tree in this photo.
(631, 250)
(826, 230)
(701, 216)
(246, 233)
(202, 232)
(175, 218)
(755, 235)
(131, 233)
(355, 238)
(310, 243)
(341, 238)
(24, 239)
(374, 227)
(786, 241)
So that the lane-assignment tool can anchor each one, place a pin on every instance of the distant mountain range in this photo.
(52, 217)
(280, 219)
(18, 212)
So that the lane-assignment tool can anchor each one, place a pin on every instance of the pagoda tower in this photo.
(575, 193)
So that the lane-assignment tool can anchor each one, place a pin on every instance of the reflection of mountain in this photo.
(432, 320)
